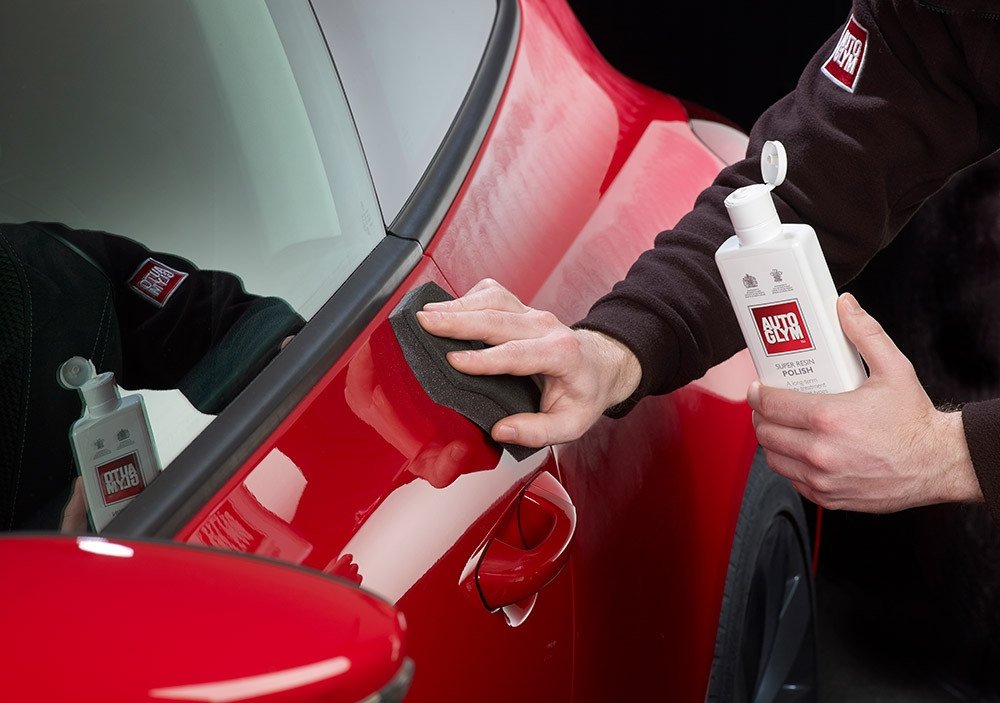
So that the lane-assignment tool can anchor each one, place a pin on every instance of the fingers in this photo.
(524, 342)
(864, 331)
(520, 357)
(794, 470)
(491, 326)
(803, 478)
(485, 295)
(791, 442)
(785, 407)
(540, 429)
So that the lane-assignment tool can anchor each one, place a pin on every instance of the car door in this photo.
(370, 480)
(335, 458)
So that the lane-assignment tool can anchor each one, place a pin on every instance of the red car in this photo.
(446, 141)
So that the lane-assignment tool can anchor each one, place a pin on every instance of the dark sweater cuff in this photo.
(645, 334)
(982, 434)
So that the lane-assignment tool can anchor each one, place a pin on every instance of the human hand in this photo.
(74, 517)
(581, 372)
(880, 448)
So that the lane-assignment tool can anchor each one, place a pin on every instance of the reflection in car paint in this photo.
(277, 484)
(104, 547)
(397, 544)
(462, 472)
(257, 517)
(404, 416)
(260, 685)
(726, 381)
(445, 475)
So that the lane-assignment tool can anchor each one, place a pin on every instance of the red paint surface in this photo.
(370, 480)
(166, 623)
(658, 493)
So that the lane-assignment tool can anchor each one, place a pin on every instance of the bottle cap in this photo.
(773, 163)
(75, 372)
(752, 212)
(100, 394)
(751, 208)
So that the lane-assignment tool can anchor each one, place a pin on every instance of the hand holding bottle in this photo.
(880, 448)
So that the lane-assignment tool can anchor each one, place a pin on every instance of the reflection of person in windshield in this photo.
(154, 319)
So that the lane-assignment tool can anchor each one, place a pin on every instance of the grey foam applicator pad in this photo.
(483, 399)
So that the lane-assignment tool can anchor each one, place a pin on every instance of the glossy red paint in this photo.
(164, 622)
(557, 215)
(369, 479)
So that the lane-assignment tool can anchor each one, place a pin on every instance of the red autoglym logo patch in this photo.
(155, 281)
(120, 479)
(781, 328)
(848, 57)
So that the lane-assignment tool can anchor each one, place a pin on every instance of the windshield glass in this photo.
(181, 188)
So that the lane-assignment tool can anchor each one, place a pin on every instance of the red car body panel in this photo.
(370, 480)
(567, 192)
(313, 639)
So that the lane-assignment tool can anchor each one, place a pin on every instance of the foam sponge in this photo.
(483, 399)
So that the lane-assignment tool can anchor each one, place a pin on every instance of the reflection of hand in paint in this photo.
(439, 444)
(440, 466)
(345, 568)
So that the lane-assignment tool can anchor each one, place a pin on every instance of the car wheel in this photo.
(765, 649)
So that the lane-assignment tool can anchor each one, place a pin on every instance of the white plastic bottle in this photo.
(112, 442)
(782, 292)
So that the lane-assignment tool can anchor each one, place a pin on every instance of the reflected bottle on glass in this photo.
(112, 442)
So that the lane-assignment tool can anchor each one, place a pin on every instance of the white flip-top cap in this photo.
(74, 372)
(751, 208)
(773, 163)
(100, 394)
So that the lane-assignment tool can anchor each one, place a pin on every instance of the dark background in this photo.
(735, 58)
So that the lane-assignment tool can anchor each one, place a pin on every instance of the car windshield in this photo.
(181, 188)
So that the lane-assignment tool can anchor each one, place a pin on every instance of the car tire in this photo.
(765, 649)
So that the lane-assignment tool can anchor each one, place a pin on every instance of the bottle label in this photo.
(782, 327)
(780, 322)
(120, 479)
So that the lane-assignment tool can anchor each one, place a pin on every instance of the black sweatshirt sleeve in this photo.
(860, 164)
(982, 435)
(181, 326)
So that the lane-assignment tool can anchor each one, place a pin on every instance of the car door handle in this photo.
(531, 545)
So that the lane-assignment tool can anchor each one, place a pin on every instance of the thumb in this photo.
(864, 331)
